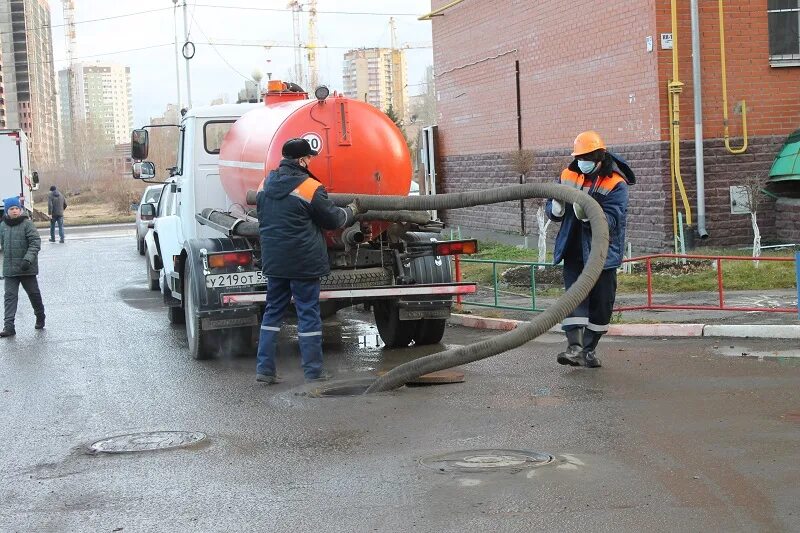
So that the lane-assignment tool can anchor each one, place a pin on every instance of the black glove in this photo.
(355, 207)
(25, 265)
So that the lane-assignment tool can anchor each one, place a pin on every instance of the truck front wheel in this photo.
(201, 343)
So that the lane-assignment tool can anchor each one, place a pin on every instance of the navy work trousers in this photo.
(594, 313)
(309, 324)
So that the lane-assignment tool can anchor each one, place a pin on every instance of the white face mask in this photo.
(587, 167)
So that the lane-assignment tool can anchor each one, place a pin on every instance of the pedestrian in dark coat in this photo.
(56, 204)
(20, 243)
(605, 177)
(293, 209)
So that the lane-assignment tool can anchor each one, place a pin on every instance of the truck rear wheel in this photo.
(202, 344)
(429, 330)
(395, 333)
(176, 315)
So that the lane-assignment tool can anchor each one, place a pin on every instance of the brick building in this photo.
(602, 65)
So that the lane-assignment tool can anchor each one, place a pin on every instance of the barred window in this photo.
(784, 37)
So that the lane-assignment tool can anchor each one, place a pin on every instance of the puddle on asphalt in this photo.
(732, 350)
(140, 297)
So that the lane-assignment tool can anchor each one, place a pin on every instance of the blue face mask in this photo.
(587, 167)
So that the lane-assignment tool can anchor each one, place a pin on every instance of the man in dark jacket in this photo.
(293, 209)
(605, 178)
(56, 203)
(21, 244)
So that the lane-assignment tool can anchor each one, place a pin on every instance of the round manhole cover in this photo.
(147, 442)
(486, 461)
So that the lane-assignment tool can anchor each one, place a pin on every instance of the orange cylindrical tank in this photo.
(360, 148)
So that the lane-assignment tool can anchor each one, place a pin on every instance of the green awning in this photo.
(786, 166)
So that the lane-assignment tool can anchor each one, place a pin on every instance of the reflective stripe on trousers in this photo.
(309, 324)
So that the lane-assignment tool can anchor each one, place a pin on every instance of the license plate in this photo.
(235, 279)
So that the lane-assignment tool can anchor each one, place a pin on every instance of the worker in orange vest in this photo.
(605, 177)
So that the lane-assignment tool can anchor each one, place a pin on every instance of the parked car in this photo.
(150, 195)
(166, 207)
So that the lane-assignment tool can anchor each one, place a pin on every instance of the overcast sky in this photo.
(153, 69)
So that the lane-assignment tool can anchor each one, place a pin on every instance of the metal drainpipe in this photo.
(697, 90)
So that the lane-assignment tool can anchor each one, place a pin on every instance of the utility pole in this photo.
(186, 55)
(177, 60)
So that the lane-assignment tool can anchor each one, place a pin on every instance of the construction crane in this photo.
(311, 45)
(70, 36)
(296, 8)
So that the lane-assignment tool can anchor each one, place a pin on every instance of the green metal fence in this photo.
(496, 298)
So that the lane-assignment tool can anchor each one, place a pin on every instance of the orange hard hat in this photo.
(587, 142)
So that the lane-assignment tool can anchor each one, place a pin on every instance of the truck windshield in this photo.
(214, 133)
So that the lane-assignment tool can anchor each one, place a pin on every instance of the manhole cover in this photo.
(486, 461)
(147, 442)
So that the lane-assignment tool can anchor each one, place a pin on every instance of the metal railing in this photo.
(648, 261)
(494, 262)
(717, 259)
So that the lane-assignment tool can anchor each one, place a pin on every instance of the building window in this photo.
(784, 38)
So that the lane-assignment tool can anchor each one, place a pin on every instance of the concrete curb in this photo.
(649, 330)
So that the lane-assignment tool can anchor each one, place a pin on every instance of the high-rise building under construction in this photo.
(28, 79)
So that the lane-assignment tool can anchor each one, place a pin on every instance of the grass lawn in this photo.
(668, 276)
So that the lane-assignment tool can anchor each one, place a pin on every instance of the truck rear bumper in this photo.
(361, 294)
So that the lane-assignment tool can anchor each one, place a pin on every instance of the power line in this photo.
(339, 47)
(112, 17)
(217, 51)
(275, 9)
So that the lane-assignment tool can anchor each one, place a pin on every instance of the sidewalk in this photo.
(660, 323)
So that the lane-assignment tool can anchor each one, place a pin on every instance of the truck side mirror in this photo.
(144, 170)
(140, 144)
(147, 211)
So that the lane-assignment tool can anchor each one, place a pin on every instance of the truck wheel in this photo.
(395, 333)
(202, 344)
(152, 276)
(140, 245)
(176, 315)
(429, 330)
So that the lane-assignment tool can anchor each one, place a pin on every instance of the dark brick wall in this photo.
(787, 211)
(650, 227)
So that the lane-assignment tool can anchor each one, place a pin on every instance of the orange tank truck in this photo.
(360, 149)
(207, 252)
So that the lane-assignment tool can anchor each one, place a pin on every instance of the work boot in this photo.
(574, 347)
(323, 376)
(571, 356)
(39, 322)
(589, 359)
(7, 332)
(269, 380)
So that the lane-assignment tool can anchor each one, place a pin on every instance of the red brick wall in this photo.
(772, 93)
(570, 81)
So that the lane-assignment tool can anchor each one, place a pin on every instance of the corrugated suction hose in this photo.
(406, 372)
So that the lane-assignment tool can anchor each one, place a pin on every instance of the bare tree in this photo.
(522, 161)
(753, 185)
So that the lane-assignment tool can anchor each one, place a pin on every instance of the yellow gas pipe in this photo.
(727, 136)
(674, 89)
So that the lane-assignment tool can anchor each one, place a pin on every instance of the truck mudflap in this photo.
(433, 290)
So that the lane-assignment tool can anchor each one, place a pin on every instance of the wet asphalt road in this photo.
(671, 435)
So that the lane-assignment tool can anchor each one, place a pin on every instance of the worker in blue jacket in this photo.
(605, 177)
(293, 209)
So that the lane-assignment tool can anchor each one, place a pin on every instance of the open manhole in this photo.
(338, 389)
(147, 442)
(486, 461)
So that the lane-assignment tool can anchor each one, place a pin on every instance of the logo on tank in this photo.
(314, 140)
